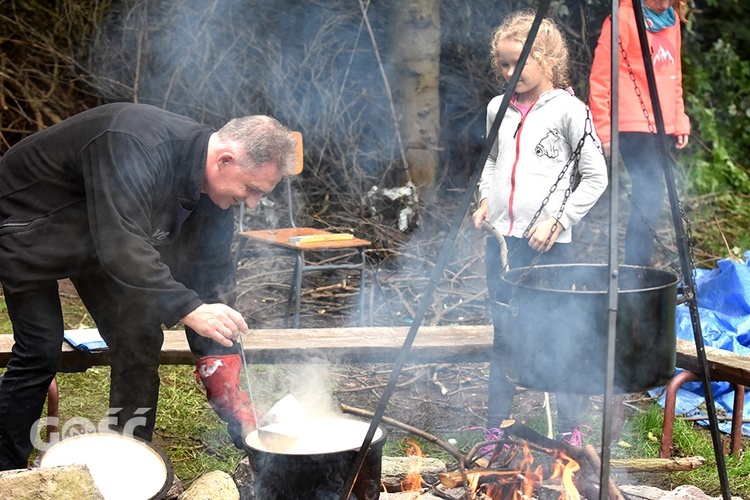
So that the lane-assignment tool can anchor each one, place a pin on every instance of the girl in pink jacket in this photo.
(637, 129)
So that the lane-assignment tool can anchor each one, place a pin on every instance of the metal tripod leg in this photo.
(683, 246)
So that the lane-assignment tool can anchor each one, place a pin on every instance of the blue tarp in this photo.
(724, 309)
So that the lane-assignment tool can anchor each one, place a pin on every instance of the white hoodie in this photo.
(529, 155)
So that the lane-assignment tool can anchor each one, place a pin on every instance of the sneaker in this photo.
(575, 438)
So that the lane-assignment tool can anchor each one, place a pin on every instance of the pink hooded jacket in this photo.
(665, 53)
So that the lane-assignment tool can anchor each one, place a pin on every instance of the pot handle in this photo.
(511, 307)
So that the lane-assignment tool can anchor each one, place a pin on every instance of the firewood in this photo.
(531, 436)
(418, 432)
(586, 456)
(657, 464)
(593, 458)
(455, 479)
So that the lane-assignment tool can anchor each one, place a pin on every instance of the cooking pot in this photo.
(556, 328)
(317, 462)
(122, 467)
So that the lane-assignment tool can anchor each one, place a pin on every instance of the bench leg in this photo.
(737, 410)
(667, 430)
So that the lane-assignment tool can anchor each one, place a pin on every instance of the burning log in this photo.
(584, 459)
(586, 456)
(475, 476)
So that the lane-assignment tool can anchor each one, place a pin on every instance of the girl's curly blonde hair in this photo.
(549, 50)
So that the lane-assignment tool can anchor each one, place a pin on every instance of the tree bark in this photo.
(414, 34)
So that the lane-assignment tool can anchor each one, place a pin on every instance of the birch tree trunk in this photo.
(414, 34)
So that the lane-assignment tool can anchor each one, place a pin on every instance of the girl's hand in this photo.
(682, 141)
(482, 213)
(544, 234)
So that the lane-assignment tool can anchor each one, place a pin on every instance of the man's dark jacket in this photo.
(111, 188)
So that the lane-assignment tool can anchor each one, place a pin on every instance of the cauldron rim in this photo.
(376, 440)
(667, 278)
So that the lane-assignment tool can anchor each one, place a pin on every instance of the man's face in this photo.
(229, 184)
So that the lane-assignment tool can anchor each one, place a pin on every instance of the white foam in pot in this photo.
(122, 468)
(314, 436)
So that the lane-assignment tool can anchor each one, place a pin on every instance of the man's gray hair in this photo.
(261, 139)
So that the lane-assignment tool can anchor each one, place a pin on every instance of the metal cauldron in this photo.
(311, 466)
(556, 327)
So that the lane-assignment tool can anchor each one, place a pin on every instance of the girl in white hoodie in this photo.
(545, 142)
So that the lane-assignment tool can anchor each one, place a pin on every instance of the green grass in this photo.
(689, 439)
(188, 430)
(5, 326)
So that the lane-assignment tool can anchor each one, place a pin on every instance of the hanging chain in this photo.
(652, 129)
(690, 293)
(575, 158)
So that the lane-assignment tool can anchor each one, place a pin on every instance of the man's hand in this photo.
(548, 229)
(216, 321)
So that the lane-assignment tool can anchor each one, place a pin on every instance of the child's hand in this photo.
(681, 141)
(481, 214)
(544, 234)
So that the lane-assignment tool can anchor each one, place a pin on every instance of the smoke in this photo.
(312, 386)
(307, 64)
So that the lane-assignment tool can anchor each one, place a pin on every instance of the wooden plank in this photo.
(433, 344)
(438, 344)
(174, 351)
(722, 364)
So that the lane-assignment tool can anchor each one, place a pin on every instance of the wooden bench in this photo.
(454, 344)
(433, 344)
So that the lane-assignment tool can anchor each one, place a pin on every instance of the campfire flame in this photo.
(564, 468)
(528, 478)
(413, 480)
(522, 482)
